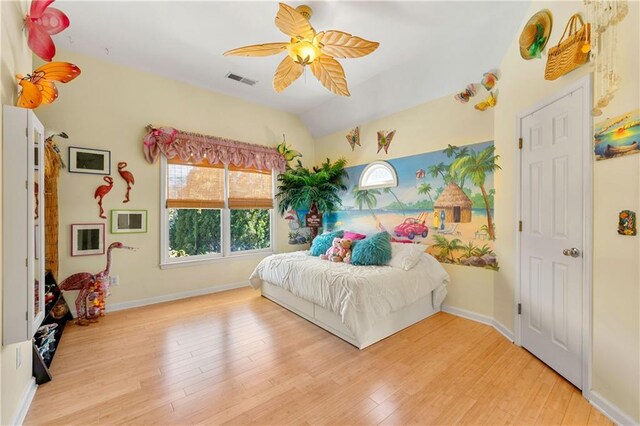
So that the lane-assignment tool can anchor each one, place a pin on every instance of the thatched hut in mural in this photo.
(455, 203)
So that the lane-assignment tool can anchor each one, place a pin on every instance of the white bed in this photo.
(359, 304)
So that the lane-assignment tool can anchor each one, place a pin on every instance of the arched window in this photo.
(378, 174)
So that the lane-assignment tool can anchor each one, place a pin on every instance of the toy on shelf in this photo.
(93, 288)
(101, 191)
(128, 177)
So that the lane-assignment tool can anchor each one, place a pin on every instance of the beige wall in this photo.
(15, 58)
(107, 107)
(616, 330)
(428, 127)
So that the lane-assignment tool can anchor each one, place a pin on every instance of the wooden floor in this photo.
(237, 358)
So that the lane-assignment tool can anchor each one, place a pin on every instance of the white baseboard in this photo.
(29, 393)
(610, 410)
(112, 307)
(481, 318)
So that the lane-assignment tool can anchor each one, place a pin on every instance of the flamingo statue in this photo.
(86, 282)
(128, 177)
(101, 192)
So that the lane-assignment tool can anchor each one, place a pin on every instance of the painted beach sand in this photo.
(618, 136)
(443, 200)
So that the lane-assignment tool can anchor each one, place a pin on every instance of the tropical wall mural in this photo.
(444, 200)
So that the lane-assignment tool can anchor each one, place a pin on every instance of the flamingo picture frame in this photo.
(128, 221)
(87, 239)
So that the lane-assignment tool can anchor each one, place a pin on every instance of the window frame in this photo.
(167, 261)
(376, 164)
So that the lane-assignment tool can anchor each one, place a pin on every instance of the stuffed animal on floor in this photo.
(340, 251)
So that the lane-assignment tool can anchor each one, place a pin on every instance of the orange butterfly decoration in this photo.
(39, 88)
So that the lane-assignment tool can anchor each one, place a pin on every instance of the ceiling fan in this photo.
(318, 50)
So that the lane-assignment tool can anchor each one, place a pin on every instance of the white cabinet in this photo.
(22, 224)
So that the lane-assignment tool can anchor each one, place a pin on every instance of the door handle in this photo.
(573, 252)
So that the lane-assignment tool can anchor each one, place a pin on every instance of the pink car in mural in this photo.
(411, 228)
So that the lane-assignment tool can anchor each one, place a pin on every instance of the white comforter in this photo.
(361, 295)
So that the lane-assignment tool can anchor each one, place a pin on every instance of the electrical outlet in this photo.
(18, 356)
(114, 280)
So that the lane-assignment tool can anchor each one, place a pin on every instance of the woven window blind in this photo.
(250, 188)
(195, 185)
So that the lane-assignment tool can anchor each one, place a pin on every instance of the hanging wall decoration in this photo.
(489, 102)
(39, 88)
(101, 192)
(627, 223)
(41, 23)
(604, 16)
(384, 140)
(288, 153)
(535, 35)
(468, 92)
(128, 177)
(489, 79)
(353, 137)
(569, 53)
(618, 136)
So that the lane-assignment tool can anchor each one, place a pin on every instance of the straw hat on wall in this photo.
(535, 34)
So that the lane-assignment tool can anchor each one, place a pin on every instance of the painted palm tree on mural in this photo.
(400, 203)
(425, 189)
(439, 169)
(366, 197)
(447, 247)
(456, 152)
(476, 166)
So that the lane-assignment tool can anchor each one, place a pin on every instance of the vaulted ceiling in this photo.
(427, 49)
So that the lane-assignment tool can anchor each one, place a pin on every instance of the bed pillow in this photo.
(406, 256)
(375, 250)
(354, 236)
(322, 242)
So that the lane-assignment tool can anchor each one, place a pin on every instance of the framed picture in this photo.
(92, 161)
(128, 221)
(87, 239)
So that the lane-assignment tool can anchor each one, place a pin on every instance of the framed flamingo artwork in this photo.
(87, 239)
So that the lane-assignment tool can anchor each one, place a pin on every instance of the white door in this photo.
(551, 241)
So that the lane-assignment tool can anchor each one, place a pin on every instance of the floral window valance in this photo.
(196, 147)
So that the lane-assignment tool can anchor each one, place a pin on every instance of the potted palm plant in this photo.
(301, 189)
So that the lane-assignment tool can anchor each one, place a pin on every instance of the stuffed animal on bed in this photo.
(340, 251)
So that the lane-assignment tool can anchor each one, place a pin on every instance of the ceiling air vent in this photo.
(241, 79)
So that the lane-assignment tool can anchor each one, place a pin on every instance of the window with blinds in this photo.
(195, 185)
(250, 188)
(215, 211)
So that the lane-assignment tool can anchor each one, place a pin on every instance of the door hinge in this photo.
(519, 143)
(26, 262)
(26, 131)
(520, 226)
(26, 184)
(26, 316)
(519, 308)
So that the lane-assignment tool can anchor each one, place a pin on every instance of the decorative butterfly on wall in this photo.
(353, 137)
(490, 102)
(384, 139)
(41, 23)
(288, 153)
(468, 92)
(39, 88)
(489, 80)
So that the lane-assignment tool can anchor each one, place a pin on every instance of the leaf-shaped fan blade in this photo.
(287, 72)
(329, 72)
(292, 23)
(266, 49)
(344, 45)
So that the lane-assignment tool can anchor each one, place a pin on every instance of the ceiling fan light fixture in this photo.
(307, 47)
(304, 52)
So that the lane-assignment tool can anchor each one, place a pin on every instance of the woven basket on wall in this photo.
(569, 54)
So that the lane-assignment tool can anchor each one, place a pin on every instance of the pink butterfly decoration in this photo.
(42, 22)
